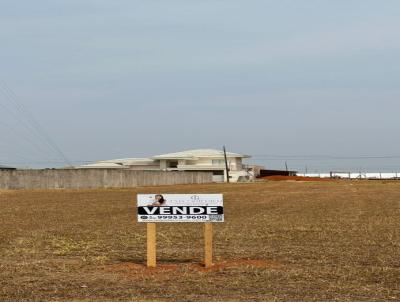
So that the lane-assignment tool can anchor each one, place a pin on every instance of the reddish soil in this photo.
(236, 264)
(294, 178)
(133, 269)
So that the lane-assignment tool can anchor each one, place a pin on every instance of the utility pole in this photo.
(226, 165)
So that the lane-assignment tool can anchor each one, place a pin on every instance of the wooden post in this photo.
(151, 245)
(208, 244)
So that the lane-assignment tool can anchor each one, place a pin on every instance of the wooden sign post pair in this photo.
(206, 208)
(152, 245)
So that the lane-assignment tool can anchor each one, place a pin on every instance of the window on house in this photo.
(219, 172)
(173, 164)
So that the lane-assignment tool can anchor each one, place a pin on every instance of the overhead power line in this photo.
(31, 136)
(11, 96)
(14, 131)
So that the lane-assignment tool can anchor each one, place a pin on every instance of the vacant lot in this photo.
(282, 241)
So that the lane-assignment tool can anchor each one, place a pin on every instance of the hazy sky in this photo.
(275, 79)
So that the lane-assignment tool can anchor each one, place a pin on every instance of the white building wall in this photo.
(354, 175)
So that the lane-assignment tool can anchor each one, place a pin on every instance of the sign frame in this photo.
(197, 208)
(180, 208)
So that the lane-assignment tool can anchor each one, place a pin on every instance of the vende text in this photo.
(180, 210)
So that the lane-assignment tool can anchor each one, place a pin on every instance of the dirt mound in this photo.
(294, 178)
(134, 269)
(237, 264)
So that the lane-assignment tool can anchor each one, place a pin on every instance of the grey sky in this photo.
(110, 79)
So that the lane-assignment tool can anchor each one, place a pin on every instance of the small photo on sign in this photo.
(180, 208)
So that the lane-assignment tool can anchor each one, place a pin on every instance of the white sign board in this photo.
(180, 208)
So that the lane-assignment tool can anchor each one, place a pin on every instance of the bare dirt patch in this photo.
(282, 241)
(135, 269)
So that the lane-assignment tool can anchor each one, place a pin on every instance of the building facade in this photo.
(191, 160)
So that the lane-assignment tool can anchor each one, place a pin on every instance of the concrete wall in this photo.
(96, 178)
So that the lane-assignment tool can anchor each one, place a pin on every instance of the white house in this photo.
(191, 160)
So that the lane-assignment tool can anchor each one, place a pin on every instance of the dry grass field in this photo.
(282, 241)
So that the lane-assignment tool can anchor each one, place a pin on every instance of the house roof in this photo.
(103, 165)
(130, 161)
(194, 154)
(119, 163)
